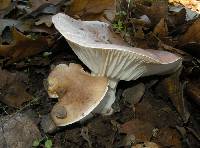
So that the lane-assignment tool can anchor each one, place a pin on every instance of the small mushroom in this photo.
(78, 93)
(105, 55)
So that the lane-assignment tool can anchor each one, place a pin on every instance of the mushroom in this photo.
(105, 55)
(77, 91)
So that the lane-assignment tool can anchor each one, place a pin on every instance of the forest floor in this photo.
(155, 111)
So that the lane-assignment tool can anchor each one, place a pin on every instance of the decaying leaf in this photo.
(35, 4)
(4, 4)
(155, 111)
(161, 29)
(45, 19)
(134, 94)
(193, 91)
(152, 11)
(192, 34)
(147, 145)
(168, 137)
(140, 129)
(22, 26)
(12, 89)
(23, 46)
(192, 4)
(172, 87)
(18, 131)
(90, 9)
(176, 16)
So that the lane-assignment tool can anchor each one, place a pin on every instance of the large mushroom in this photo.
(96, 46)
(77, 91)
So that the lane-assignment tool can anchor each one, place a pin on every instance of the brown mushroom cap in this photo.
(78, 93)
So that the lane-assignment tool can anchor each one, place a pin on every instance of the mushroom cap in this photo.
(105, 55)
(78, 93)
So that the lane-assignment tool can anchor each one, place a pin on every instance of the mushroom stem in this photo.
(105, 106)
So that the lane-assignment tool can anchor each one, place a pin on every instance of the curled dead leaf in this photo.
(90, 9)
(161, 29)
(22, 46)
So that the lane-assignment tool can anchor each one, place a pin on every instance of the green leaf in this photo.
(36, 143)
(48, 144)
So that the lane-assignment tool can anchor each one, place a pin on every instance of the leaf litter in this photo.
(156, 116)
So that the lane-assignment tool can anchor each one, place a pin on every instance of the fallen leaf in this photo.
(192, 34)
(139, 34)
(161, 29)
(87, 9)
(192, 4)
(4, 4)
(46, 8)
(173, 88)
(134, 94)
(192, 48)
(22, 26)
(35, 4)
(7, 22)
(182, 13)
(18, 131)
(12, 89)
(156, 111)
(152, 11)
(45, 19)
(177, 16)
(23, 46)
(168, 137)
(193, 91)
(140, 129)
(147, 145)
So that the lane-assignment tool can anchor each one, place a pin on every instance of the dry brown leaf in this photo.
(192, 34)
(133, 95)
(45, 19)
(12, 89)
(93, 9)
(173, 88)
(140, 129)
(4, 4)
(192, 4)
(158, 10)
(168, 137)
(22, 46)
(176, 18)
(155, 111)
(35, 4)
(193, 91)
(161, 29)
